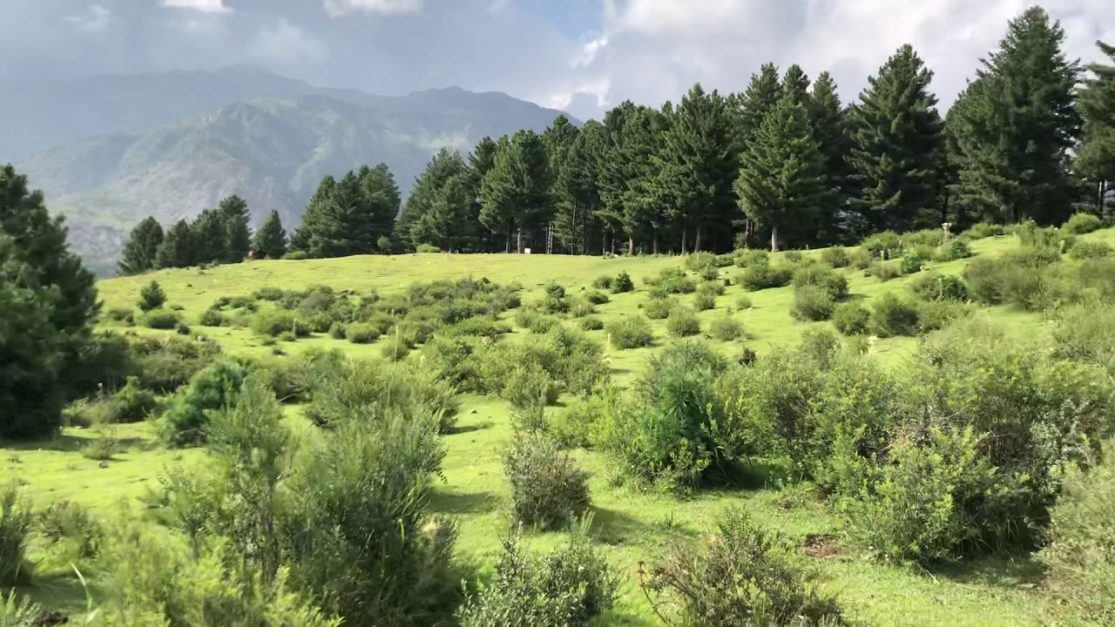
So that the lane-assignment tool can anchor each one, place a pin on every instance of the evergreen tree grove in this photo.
(142, 245)
(1096, 158)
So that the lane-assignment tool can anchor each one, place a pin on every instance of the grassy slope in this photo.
(631, 526)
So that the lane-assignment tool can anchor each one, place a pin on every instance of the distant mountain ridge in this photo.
(184, 149)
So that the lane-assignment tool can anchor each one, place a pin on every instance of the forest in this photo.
(796, 364)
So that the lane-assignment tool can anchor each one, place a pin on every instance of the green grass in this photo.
(632, 527)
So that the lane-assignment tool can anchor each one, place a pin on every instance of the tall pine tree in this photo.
(353, 216)
(515, 194)
(140, 249)
(897, 140)
(577, 192)
(1096, 160)
(270, 240)
(830, 128)
(782, 183)
(209, 237)
(177, 249)
(1016, 126)
(237, 235)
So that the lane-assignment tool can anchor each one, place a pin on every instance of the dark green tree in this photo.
(795, 84)
(577, 192)
(379, 207)
(1017, 125)
(897, 143)
(270, 240)
(208, 231)
(830, 129)
(558, 139)
(48, 302)
(515, 192)
(751, 108)
(696, 168)
(140, 249)
(177, 249)
(237, 236)
(782, 181)
(351, 216)
(628, 175)
(151, 296)
(1096, 159)
(435, 215)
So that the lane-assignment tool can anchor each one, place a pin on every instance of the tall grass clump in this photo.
(16, 522)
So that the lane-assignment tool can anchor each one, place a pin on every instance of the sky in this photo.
(583, 56)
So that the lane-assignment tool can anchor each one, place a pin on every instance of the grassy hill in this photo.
(630, 525)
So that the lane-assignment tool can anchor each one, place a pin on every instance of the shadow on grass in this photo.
(480, 426)
(995, 571)
(463, 503)
(614, 527)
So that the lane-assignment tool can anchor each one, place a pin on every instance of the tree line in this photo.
(781, 164)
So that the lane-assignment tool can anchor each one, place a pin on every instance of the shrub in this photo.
(360, 333)
(161, 320)
(983, 229)
(214, 388)
(1083, 333)
(1081, 223)
(592, 324)
(836, 257)
(892, 316)
(623, 283)
(938, 314)
(275, 322)
(812, 303)
(683, 322)
(704, 301)
(699, 261)
(1047, 238)
(570, 586)
(883, 245)
(603, 282)
(574, 426)
(554, 302)
(1007, 280)
(596, 297)
(337, 331)
(19, 611)
(151, 296)
(953, 250)
(743, 302)
(761, 276)
(1090, 250)
(740, 575)
(1080, 556)
(373, 391)
(912, 262)
(132, 403)
(580, 307)
(884, 271)
(851, 318)
(121, 314)
(165, 364)
(212, 318)
(725, 328)
(658, 308)
(935, 287)
(860, 259)
(547, 487)
(674, 281)
(716, 288)
(15, 529)
(630, 332)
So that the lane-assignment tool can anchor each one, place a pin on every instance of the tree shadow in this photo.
(480, 426)
(463, 502)
(614, 527)
(999, 571)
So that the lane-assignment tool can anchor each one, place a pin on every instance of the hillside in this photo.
(172, 145)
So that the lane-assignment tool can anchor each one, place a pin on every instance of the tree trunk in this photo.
(655, 242)
(774, 239)
(697, 240)
(519, 240)
(630, 246)
(510, 230)
(684, 239)
(603, 242)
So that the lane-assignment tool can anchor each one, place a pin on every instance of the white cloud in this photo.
(337, 8)
(205, 6)
(286, 45)
(95, 19)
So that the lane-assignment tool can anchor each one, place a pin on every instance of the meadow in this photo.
(632, 527)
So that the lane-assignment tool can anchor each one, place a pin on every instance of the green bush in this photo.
(851, 319)
(683, 322)
(725, 328)
(165, 364)
(953, 250)
(132, 403)
(836, 257)
(1008, 280)
(186, 421)
(121, 314)
(934, 287)
(630, 332)
(658, 308)
(18, 611)
(151, 297)
(15, 529)
(1079, 555)
(580, 307)
(673, 281)
(934, 315)
(596, 297)
(623, 283)
(912, 262)
(893, 316)
(983, 229)
(275, 322)
(1083, 333)
(361, 333)
(68, 523)
(592, 324)
(555, 302)
(743, 302)
(1090, 250)
(883, 245)
(1082, 223)
(570, 586)
(812, 303)
(574, 426)
(547, 487)
(761, 276)
(603, 282)
(161, 320)
(830, 281)
(740, 575)
(884, 271)
(212, 318)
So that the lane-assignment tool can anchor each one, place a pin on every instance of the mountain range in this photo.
(108, 151)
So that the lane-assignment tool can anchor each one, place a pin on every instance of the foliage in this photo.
(547, 487)
(349, 216)
(812, 302)
(761, 276)
(186, 421)
(891, 315)
(1090, 250)
(15, 528)
(270, 241)
(163, 364)
(725, 328)
(163, 320)
(683, 322)
(623, 283)
(632, 331)
(935, 287)
(851, 318)
(139, 251)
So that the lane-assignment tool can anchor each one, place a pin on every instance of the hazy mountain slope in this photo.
(273, 152)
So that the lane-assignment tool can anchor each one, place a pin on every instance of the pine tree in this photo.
(352, 216)
(696, 169)
(1096, 159)
(177, 249)
(795, 85)
(237, 235)
(782, 182)
(208, 236)
(270, 240)
(1018, 125)
(379, 207)
(628, 175)
(433, 216)
(515, 192)
(480, 161)
(830, 129)
(577, 193)
(48, 302)
(752, 107)
(139, 251)
(558, 139)
(897, 145)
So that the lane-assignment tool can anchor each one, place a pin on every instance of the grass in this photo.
(632, 527)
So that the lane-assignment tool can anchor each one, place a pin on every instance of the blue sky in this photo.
(580, 55)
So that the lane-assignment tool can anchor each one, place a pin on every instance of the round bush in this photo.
(1081, 223)
(658, 308)
(1090, 250)
(812, 303)
(934, 287)
(851, 319)
(823, 277)
(837, 256)
(704, 301)
(892, 316)
(623, 283)
(592, 324)
(630, 332)
(547, 487)
(683, 322)
(211, 318)
(360, 333)
(761, 276)
(162, 320)
(725, 328)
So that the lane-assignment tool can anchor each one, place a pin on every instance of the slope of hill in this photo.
(272, 150)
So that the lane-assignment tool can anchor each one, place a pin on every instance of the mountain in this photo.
(271, 149)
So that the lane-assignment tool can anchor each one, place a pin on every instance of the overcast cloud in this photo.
(580, 55)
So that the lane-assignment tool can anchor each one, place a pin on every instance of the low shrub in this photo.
(743, 302)
(555, 300)
(151, 297)
(673, 281)
(633, 331)
(623, 283)
(16, 521)
(121, 314)
(1090, 250)
(596, 297)
(574, 426)
(547, 487)
(983, 230)
(1083, 333)
(683, 322)
(836, 257)
(912, 262)
(592, 324)
(725, 328)
(161, 320)
(704, 301)
(953, 250)
(580, 307)
(699, 261)
(212, 318)
(275, 322)
(740, 575)
(165, 364)
(893, 316)
(935, 287)
(884, 271)
(658, 308)
(860, 259)
(603, 282)
(185, 422)
(851, 319)
(812, 303)
(570, 586)
(761, 276)
(934, 315)
(132, 403)
(360, 333)
(1082, 223)
(883, 245)
(1008, 280)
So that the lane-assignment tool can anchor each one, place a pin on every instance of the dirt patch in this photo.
(820, 546)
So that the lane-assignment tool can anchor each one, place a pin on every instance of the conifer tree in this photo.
(1097, 105)
(577, 192)
(351, 216)
(379, 202)
(795, 84)
(48, 302)
(237, 235)
(177, 249)
(208, 236)
(830, 129)
(140, 249)
(897, 140)
(629, 171)
(270, 240)
(751, 108)
(1016, 126)
(782, 182)
(431, 216)
(515, 192)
